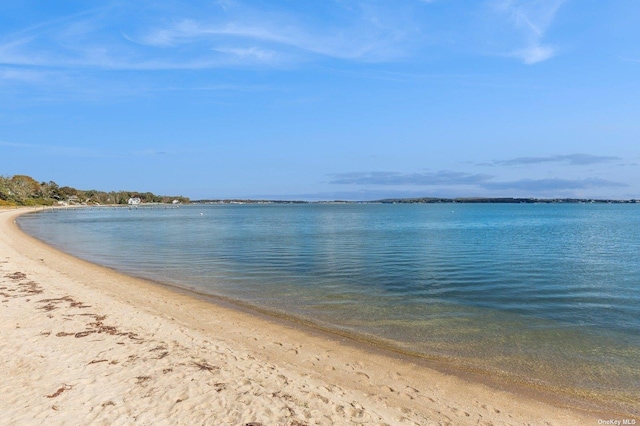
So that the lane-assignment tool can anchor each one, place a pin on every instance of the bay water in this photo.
(545, 296)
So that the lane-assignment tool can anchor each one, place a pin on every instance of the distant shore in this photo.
(431, 200)
(85, 344)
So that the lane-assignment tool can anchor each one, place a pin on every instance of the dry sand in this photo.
(82, 344)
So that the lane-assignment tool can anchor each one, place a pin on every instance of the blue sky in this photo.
(324, 99)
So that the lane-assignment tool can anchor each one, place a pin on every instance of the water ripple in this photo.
(542, 293)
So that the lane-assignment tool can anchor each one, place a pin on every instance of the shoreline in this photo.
(560, 397)
(376, 386)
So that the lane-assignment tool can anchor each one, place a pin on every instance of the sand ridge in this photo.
(82, 344)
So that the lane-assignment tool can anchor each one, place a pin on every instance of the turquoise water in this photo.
(541, 295)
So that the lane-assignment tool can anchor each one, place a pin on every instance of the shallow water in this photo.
(538, 294)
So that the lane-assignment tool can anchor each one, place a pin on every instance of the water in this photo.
(545, 296)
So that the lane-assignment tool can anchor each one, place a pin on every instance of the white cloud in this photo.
(532, 19)
(535, 53)
(60, 150)
(362, 40)
(22, 75)
(222, 35)
(248, 52)
(570, 159)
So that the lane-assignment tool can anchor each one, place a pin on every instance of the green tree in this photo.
(24, 187)
(67, 192)
(5, 193)
(50, 190)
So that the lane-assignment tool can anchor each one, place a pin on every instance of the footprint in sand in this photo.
(363, 375)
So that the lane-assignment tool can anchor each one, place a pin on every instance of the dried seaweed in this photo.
(204, 366)
(64, 387)
(142, 379)
(16, 276)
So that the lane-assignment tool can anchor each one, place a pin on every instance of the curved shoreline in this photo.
(386, 381)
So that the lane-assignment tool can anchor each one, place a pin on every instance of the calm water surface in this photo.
(542, 295)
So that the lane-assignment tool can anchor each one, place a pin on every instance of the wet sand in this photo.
(83, 344)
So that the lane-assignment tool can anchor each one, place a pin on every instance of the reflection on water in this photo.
(542, 294)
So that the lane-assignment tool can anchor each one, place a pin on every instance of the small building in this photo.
(134, 201)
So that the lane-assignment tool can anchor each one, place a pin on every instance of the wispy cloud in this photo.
(71, 151)
(535, 53)
(223, 35)
(453, 180)
(531, 18)
(359, 39)
(22, 75)
(569, 159)
(149, 153)
(444, 177)
(59, 150)
(552, 184)
(356, 195)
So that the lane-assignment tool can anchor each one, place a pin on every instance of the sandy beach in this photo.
(83, 344)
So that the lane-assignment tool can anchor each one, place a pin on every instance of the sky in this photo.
(324, 100)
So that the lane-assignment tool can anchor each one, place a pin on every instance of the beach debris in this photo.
(30, 287)
(79, 305)
(142, 379)
(96, 326)
(22, 289)
(48, 307)
(284, 396)
(16, 276)
(204, 366)
(162, 348)
(51, 303)
(64, 387)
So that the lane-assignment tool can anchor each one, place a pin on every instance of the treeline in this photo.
(503, 200)
(21, 190)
